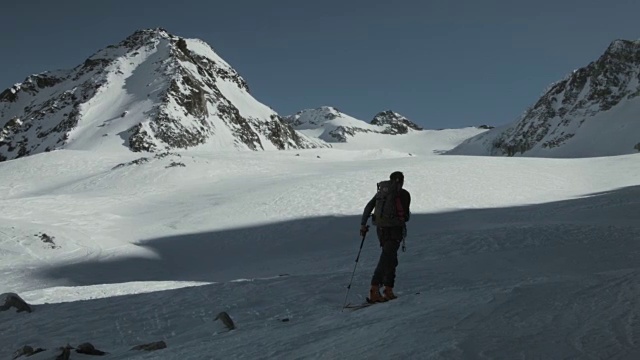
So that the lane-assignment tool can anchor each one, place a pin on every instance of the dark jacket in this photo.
(405, 200)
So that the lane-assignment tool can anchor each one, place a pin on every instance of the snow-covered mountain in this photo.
(153, 91)
(332, 125)
(595, 111)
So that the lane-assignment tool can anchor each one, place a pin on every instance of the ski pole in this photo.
(354, 268)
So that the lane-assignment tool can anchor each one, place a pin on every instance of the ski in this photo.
(357, 306)
(364, 304)
(367, 303)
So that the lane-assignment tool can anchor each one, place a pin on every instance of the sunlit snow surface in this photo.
(506, 258)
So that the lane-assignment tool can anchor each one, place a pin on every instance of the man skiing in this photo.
(391, 204)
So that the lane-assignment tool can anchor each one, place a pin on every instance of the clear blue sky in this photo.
(442, 63)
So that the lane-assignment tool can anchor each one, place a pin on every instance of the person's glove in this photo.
(364, 229)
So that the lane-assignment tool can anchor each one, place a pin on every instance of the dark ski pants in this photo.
(390, 239)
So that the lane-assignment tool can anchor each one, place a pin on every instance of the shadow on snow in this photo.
(329, 244)
(539, 280)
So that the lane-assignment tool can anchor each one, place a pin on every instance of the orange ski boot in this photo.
(388, 293)
(374, 295)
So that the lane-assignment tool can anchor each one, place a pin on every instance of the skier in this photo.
(391, 204)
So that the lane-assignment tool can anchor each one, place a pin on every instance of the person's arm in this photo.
(368, 210)
(407, 205)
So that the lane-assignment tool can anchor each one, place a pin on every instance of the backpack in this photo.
(388, 211)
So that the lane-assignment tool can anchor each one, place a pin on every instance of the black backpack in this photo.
(388, 210)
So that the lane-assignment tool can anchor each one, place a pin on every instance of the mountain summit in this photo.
(153, 91)
(592, 112)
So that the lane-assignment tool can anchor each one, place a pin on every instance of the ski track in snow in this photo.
(507, 257)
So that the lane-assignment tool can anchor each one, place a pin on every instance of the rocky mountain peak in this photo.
(623, 48)
(396, 123)
(153, 91)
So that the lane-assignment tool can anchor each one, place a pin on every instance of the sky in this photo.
(441, 63)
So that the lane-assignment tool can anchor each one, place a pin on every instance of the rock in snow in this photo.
(158, 345)
(13, 300)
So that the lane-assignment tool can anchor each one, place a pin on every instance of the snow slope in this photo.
(425, 142)
(608, 133)
(507, 257)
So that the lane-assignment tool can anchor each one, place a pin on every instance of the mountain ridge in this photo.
(331, 125)
(591, 112)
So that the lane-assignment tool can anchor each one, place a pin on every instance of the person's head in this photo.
(397, 176)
